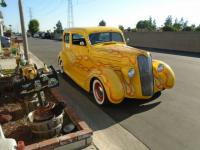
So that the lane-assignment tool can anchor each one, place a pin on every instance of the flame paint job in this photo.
(110, 63)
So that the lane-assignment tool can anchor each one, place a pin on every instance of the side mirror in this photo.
(82, 43)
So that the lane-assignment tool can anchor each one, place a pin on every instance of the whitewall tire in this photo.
(61, 66)
(99, 93)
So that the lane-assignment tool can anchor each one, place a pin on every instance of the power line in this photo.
(51, 10)
(30, 13)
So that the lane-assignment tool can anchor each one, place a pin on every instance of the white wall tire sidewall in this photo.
(94, 95)
(61, 66)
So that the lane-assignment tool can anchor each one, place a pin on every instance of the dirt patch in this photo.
(13, 117)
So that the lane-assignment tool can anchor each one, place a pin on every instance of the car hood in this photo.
(119, 48)
(117, 52)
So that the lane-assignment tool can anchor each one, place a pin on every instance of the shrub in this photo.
(168, 28)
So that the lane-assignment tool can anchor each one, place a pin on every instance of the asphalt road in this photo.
(171, 121)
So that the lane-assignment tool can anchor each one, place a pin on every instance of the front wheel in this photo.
(99, 93)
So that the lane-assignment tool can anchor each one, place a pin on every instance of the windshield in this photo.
(102, 37)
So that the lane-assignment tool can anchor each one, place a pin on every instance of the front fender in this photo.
(164, 79)
(111, 83)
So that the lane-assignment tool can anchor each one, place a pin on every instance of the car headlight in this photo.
(131, 73)
(160, 68)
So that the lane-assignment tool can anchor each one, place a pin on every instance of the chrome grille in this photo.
(146, 75)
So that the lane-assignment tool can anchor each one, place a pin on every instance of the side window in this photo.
(78, 39)
(67, 38)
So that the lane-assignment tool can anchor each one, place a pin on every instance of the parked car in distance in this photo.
(47, 35)
(99, 60)
(18, 34)
(36, 35)
(28, 34)
(42, 35)
(5, 41)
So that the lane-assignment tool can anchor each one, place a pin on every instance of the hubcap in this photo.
(98, 92)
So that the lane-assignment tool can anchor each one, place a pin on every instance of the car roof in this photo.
(93, 29)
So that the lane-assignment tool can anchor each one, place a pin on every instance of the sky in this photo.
(91, 12)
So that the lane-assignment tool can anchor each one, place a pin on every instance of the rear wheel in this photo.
(99, 93)
(61, 66)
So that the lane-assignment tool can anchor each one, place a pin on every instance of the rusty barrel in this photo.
(46, 129)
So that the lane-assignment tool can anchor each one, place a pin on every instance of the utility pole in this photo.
(2, 4)
(1, 24)
(30, 14)
(1, 29)
(25, 41)
(70, 19)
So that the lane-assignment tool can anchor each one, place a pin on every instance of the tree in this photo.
(189, 28)
(168, 28)
(151, 24)
(154, 24)
(134, 30)
(140, 24)
(121, 27)
(129, 29)
(168, 21)
(102, 23)
(177, 25)
(59, 28)
(168, 25)
(197, 29)
(148, 25)
(3, 3)
(183, 23)
(180, 25)
(33, 26)
(193, 27)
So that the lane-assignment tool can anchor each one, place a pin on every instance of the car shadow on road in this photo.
(131, 107)
(120, 111)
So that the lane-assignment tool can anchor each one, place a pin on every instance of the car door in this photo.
(69, 57)
(81, 52)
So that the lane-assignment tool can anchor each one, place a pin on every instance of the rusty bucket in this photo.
(46, 129)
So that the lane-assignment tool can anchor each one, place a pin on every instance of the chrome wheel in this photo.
(98, 92)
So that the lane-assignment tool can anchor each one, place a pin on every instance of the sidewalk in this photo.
(108, 135)
(10, 63)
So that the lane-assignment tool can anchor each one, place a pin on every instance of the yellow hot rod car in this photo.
(99, 60)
